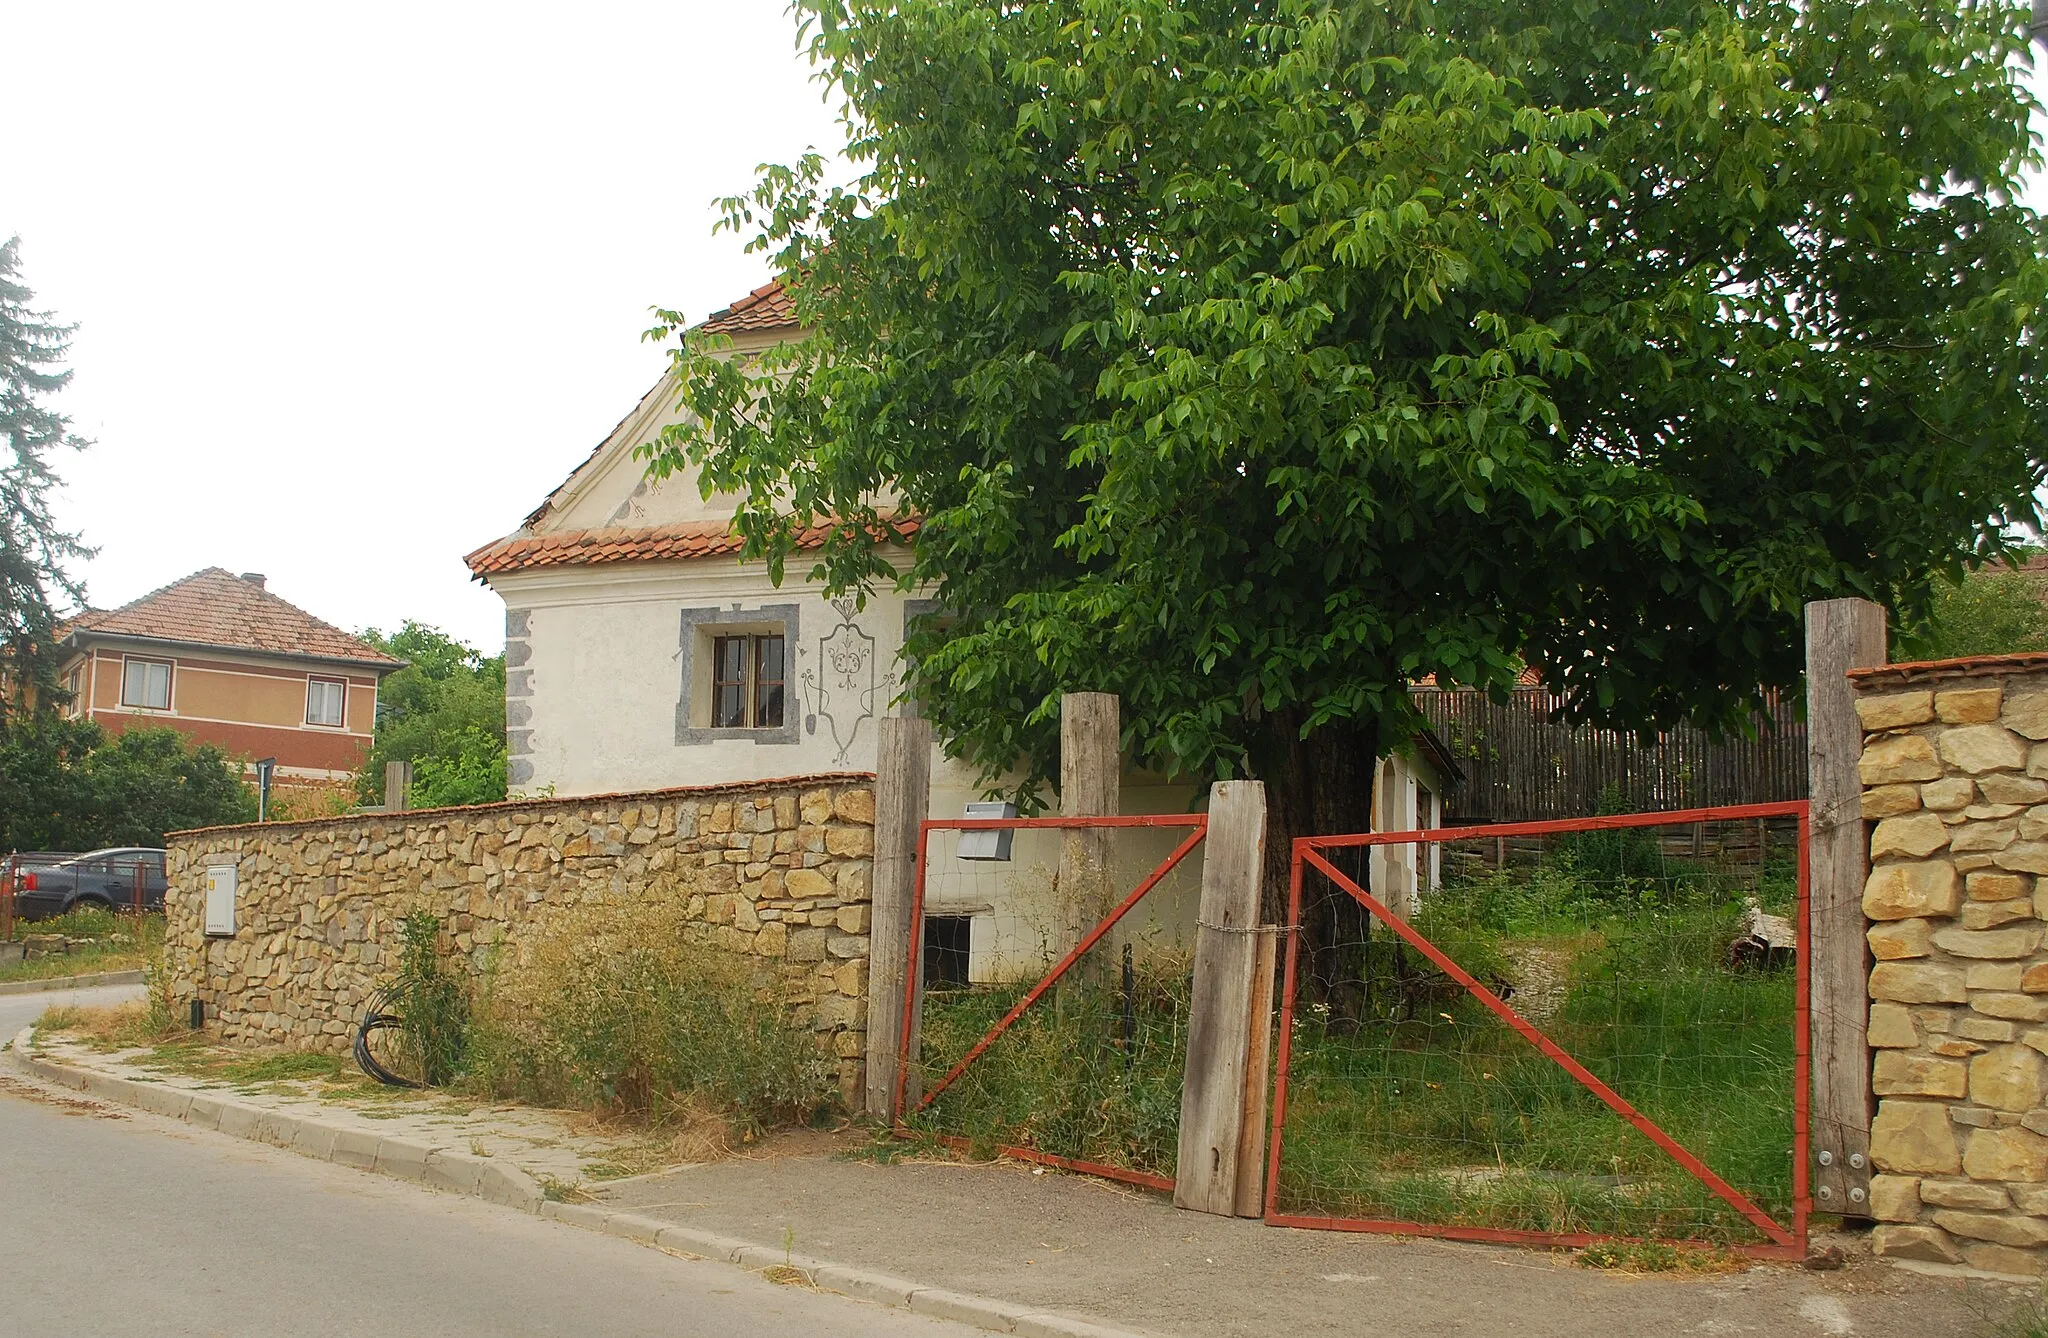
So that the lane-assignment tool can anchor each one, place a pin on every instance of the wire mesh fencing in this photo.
(1057, 965)
(1552, 1033)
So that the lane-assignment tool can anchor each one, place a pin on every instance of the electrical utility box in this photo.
(220, 900)
(987, 844)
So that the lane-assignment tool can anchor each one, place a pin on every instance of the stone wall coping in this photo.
(1884, 676)
(553, 803)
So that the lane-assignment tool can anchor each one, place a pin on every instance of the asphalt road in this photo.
(115, 1222)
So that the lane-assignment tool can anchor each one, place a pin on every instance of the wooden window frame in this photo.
(750, 682)
(170, 683)
(342, 683)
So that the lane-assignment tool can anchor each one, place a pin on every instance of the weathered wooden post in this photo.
(397, 786)
(1212, 1099)
(1251, 1138)
(902, 800)
(1091, 786)
(1841, 634)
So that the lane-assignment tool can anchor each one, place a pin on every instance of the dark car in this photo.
(97, 880)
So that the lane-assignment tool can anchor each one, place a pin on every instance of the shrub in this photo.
(620, 1012)
(433, 998)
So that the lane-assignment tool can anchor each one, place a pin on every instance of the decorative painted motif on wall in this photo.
(840, 687)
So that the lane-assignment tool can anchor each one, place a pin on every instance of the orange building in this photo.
(222, 660)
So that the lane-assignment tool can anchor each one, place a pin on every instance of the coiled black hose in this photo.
(379, 1017)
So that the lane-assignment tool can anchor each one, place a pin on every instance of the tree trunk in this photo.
(1321, 786)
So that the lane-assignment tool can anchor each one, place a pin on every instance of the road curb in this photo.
(70, 982)
(459, 1172)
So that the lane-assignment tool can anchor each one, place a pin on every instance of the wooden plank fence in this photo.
(1523, 763)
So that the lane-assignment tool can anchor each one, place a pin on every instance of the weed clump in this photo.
(623, 1014)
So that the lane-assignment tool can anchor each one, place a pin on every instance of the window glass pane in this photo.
(324, 701)
(731, 657)
(768, 706)
(146, 684)
(729, 706)
(771, 658)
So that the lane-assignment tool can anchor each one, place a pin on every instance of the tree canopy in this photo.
(1253, 359)
(33, 548)
(66, 784)
(444, 713)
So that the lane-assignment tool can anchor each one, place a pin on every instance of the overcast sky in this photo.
(359, 284)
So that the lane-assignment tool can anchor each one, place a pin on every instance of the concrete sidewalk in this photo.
(1018, 1240)
(1077, 1244)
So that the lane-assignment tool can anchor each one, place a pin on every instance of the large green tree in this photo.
(444, 713)
(67, 785)
(1252, 359)
(34, 549)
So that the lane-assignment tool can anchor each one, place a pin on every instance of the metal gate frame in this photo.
(1786, 1243)
(1199, 825)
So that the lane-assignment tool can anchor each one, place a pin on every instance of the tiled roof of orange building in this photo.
(640, 543)
(218, 608)
(768, 307)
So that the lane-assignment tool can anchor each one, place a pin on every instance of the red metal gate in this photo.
(907, 1107)
(1356, 1161)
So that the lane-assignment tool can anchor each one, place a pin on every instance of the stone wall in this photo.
(776, 871)
(1956, 782)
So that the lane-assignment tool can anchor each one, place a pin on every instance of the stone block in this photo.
(2034, 979)
(1906, 1073)
(2016, 1007)
(1969, 706)
(1925, 1244)
(853, 919)
(1891, 1027)
(1989, 1030)
(2010, 1077)
(1989, 1257)
(807, 884)
(1894, 710)
(2029, 1199)
(1903, 891)
(1994, 914)
(2026, 714)
(1889, 801)
(1900, 758)
(850, 842)
(1989, 886)
(1977, 749)
(2000, 1229)
(2034, 824)
(2006, 1154)
(1914, 1136)
(772, 941)
(2006, 789)
(1971, 837)
(1965, 1194)
(2023, 857)
(1899, 982)
(1900, 940)
(2001, 976)
(1895, 1198)
(815, 807)
(1993, 944)
(807, 945)
(1946, 795)
(853, 881)
(856, 805)
(1915, 836)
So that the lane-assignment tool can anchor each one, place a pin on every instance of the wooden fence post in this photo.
(1091, 786)
(903, 754)
(1212, 1097)
(397, 785)
(1841, 634)
(1258, 1075)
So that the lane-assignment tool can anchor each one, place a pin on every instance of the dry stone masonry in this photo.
(1955, 783)
(775, 871)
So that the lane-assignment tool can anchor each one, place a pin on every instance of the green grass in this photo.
(118, 943)
(1061, 1080)
(1429, 1108)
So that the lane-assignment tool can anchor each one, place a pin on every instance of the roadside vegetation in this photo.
(99, 941)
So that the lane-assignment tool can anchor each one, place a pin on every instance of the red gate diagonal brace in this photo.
(1735, 1198)
(1089, 940)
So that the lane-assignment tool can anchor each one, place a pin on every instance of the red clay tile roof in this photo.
(218, 608)
(768, 307)
(642, 543)
(1919, 671)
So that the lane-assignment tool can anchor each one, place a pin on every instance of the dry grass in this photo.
(122, 1026)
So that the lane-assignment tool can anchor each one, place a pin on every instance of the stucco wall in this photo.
(775, 871)
(1956, 780)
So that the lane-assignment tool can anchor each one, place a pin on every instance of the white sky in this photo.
(358, 285)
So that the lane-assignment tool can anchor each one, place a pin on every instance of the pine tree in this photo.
(34, 551)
